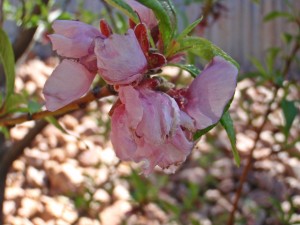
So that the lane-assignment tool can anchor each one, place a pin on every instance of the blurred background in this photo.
(69, 173)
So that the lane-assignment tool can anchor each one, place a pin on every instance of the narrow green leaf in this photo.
(290, 112)
(199, 133)
(271, 58)
(7, 59)
(55, 123)
(227, 123)
(15, 103)
(276, 14)
(125, 8)
(257, 64)
(165, 13)
(5, 132)
(203, 48)
(192, 69)
(188, 29)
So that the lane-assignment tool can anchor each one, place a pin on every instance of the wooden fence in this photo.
(241, 31)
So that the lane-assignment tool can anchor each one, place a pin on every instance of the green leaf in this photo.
(287, 38)
(201, 47)
(276, 14)
(192, 69)
(5, 132)
(271, 57)
(125, 8)
(188, 29)
(199, 133)
(33, 107)
(7, 59)
(257, 64)
(55, 123)
(166, 15)
(290, 112)
(227, 123)
(16, 103)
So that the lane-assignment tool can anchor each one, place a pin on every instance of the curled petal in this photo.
(133, 105)
(210, 92)
(68, 82)
(121, 135)
(120, 58)
(168, 155)
(146, 128)
(175, 151)
(73, 38)
(146, 15)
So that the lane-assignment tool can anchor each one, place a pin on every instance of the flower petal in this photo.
(121, 135)
(210, 92)
(68, 82)
(120, 58)
(73, 38)
(133, 105)
(160, 117)
(147, 16)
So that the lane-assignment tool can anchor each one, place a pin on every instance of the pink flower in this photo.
(120, 59)
(69, 81)
(146, 15)
(73, 38)
(210, 92)
(146, 127)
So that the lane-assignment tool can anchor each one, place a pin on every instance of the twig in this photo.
(248, 165)
(80, 103)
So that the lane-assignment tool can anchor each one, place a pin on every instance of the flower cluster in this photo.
(148, 125)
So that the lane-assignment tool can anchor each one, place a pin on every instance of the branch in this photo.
(96, 93)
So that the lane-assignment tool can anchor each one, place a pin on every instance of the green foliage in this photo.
(277, 14)
(142, 190)
(227, 123)
(8, 62)
(189, 29)
(166, 15)
(52, 120)
(290, 112)
(192, 69)
(33, 106)
(201, 47)
(199, 133)
(125, 8)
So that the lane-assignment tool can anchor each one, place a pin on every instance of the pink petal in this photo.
(121, 135)
(175, 151)
(120, 58)
(68, 82)
(73, 38)
(147, 16)
(133, 105)
(210, 92)
(168, 155)
(160, 117)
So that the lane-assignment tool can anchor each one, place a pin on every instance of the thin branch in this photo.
(78, 104)
(249, 162)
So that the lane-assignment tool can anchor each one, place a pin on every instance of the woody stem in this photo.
(96, 93)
